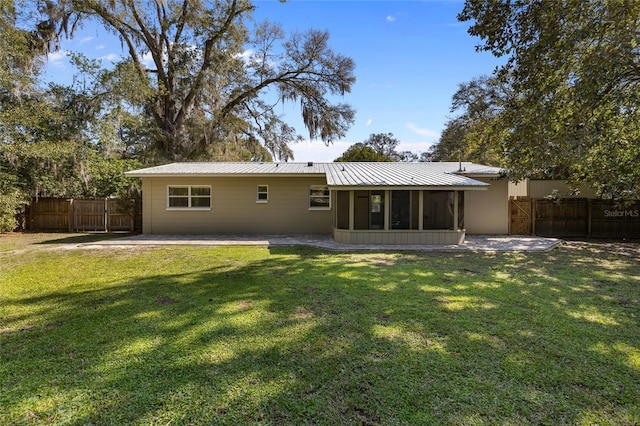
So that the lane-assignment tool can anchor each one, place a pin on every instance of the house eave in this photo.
(480, 175)
(224, 175)
(408, 187)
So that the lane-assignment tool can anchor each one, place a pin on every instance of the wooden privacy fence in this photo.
(575, 217)
(79, 215)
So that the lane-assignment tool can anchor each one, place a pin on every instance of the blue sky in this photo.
(410, 57)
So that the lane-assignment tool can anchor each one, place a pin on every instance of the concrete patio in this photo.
(473, 243)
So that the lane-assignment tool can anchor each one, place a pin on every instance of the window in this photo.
(189, 197)
(400, 209)
(263, 194)
(438, 209)
(319, 198)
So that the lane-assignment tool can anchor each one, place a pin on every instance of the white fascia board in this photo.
(222, 175)
(416, 188)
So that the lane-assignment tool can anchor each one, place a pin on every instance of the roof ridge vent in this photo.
(310, 164)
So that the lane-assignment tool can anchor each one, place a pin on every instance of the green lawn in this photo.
(240, 335)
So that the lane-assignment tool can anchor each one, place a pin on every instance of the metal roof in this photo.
(398, 174)
(229, 168)
(436, 174)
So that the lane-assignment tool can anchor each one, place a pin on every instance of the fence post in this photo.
(71, 216)
(106, 214)
(534, 201)
(30, 218)
(589, 217)
(510, 213)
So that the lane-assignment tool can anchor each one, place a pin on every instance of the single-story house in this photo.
(358, 203)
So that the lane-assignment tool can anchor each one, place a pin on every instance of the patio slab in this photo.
(479, 243)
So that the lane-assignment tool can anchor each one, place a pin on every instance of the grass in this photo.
(251, 335)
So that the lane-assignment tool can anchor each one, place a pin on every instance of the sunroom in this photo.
(413, 207)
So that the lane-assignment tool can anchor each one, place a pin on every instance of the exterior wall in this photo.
(234, 209)
(443, 237)
(543, 188)
(520, 189)
(487, 212)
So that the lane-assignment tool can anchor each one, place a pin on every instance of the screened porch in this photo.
(399, 216)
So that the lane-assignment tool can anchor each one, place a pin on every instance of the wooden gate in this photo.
(117, 220)
(78, 215)
(520, 216)
(90, 215)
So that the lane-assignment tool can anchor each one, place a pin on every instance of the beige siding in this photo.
(487, 212)
(234, 209)
(520, 189)
(443, 237)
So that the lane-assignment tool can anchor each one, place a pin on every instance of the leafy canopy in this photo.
(211, 81)
(196, 82)
(379, 147)
(471, 135)
(573, 69)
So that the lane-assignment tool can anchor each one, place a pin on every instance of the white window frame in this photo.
(328, 197)
(258, 193)
(189, 197)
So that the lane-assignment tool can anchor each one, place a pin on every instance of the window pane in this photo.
(200, 202)
(438, 209)
(400, 209)
(319, 201)
(263, 193)
(176, 190)
(200, 191)
(178, 202)
(319, 190)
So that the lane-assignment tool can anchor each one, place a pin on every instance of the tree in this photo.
(474, 134)
(379, 147)
(53, 141)
(208, 73)
(360, 152)
(19, 55)
(574, 68)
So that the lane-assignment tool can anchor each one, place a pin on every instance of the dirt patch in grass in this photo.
(245, 304)
(166, 300)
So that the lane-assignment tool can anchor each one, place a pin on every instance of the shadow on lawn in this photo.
(307, 337)
(84, 238)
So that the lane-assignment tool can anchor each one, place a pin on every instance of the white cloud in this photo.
(391, 18)
(423, 132)
(111, 57)
(318, 151)
(58, 59)
(416, 147)
(369, 122)
(86, 40)
(246, 56)
(250, 58)
(147, 60)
